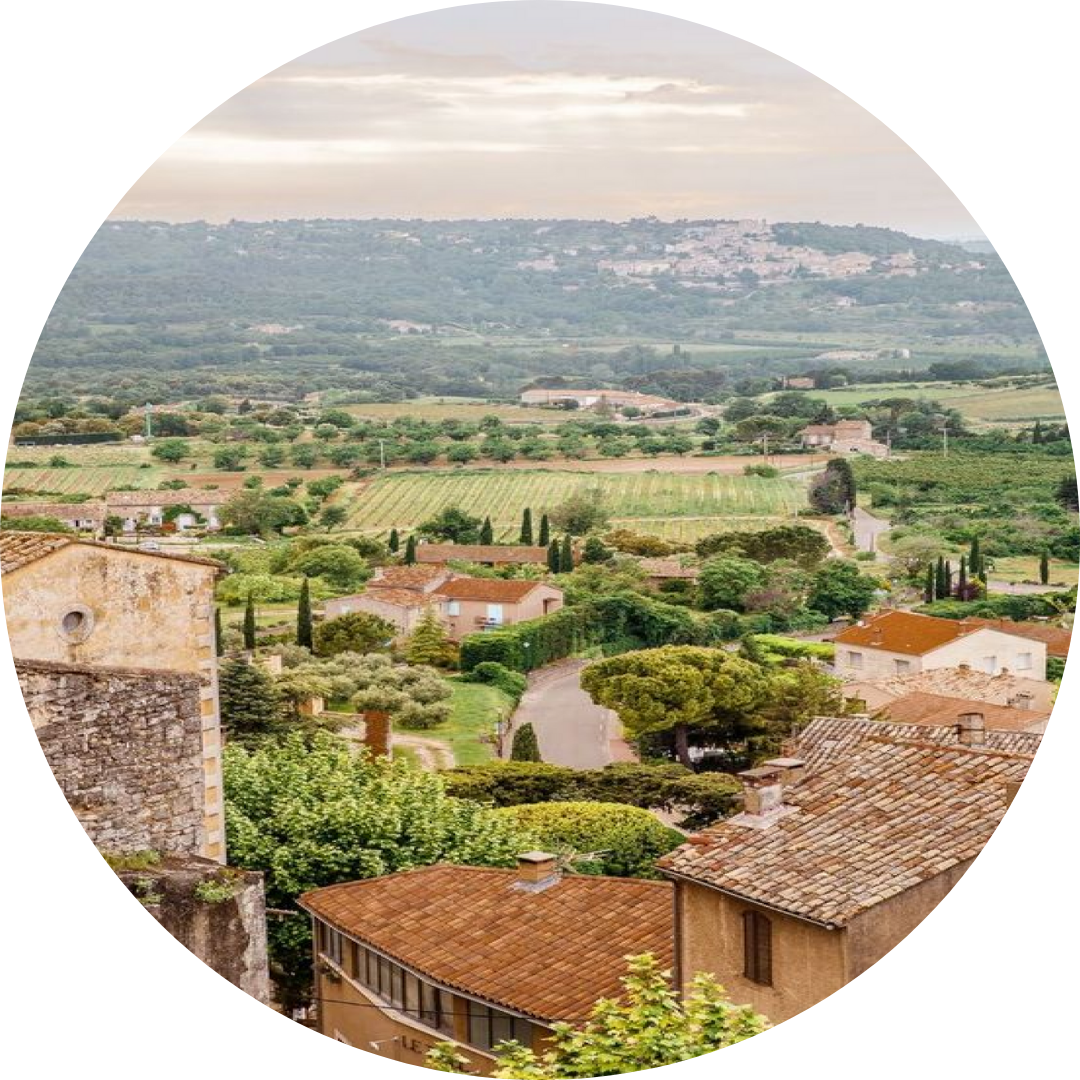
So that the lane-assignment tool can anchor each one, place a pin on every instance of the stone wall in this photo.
(126, 748)
(217, 913)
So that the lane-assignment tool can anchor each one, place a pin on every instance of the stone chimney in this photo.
(1022, 700)
(763, 797)
(971, 729)
(537, 871)
(792, 769)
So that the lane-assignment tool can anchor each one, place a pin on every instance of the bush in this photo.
(525, 746)
(511, 683)
(620, 840)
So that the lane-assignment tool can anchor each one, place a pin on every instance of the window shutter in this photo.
(757, 947)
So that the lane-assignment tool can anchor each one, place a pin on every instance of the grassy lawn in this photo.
(1022, 568)
(476, 710)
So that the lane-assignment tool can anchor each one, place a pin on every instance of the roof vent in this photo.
(537, 871)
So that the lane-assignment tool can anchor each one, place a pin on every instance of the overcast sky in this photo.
(537, 109)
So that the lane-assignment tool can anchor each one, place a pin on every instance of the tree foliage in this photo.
(356, 632)
(525, 746)
(249, 701)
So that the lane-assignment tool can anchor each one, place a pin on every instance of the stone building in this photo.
(146, 617)
(838, 854)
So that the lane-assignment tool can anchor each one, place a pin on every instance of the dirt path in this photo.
(431, 754)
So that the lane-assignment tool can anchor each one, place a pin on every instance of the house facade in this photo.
(901, 643)
(403, 608)
(598, 399)
(84, 517)
(125, 613)
(843, 437)
(467, 605)
(186, 509)
(838, 854)
(476, 955)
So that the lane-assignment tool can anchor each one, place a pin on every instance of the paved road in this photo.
(868, 529)
(571, 730)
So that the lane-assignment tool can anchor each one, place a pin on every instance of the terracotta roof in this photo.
(883, 807)
(1055, 638)
(959, 682)
(19, 548)
(480, 553)
(56, 510)
(668, 568)
(550, 955)
(494, 590)
(408, 598)
(904, 632)
(168, 497)
(406, 577)
(818, 429)
(935, 709)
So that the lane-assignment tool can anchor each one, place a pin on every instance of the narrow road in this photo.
(868, 529)
(570, 729)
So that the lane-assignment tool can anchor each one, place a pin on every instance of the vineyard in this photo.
(649, 499)
(79, 480)
(436, 409)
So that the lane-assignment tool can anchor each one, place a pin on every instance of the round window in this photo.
(75, 624)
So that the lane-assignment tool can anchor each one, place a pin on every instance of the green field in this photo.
(435, 409)
(80, 480)
(405, 499)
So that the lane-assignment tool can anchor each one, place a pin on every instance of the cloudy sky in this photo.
(542, 109)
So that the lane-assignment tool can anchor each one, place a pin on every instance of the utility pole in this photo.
(945, 440)
(148, 409)
(382, 453)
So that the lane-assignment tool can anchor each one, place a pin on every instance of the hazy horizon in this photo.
(543, 110)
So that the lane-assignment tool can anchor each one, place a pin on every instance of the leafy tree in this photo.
(678, 687)
(249, 623)
(596, 551)
(526, 535)
(838, 588)
(598, 837)
(651, 1025)
(566, 555)
(304, 622)
(410, 551)
(310, 811)
(356, 632)
(230, 458)
(487, 533)
(799, 543)
(525, 746)
(249, 701)
(453, 526)
(394, 543)
(581, 512)
(725, 580)
(258, 512)
(170, 450)
(544, 537)
(429, 642)
(833, 492)
(1065, 493)
(332, 516)
(339, 565)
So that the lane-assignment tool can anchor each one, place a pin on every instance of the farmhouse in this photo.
(476, 955)
(185, 508)
(117, 662)
(660, 571)
(85, 517)
(843, 437)
(599, 399)
(471, 604)
(902, 642)
(404, 608)
(838, 854)
(486, 554)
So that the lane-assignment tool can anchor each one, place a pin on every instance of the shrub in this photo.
(525, 746)
(511, 683)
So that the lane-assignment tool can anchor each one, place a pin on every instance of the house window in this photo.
(854, 659)
(495, 614)
(330, 943)
(488, 1027)
(1023, 661)
(75, 624)
(902, 666)
(453, 607)
(757, 947)
(989, 664)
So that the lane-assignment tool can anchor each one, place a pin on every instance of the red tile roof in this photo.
(19, 548)
(493, 590)
(904, 632)
(408, 598)
(550, 955)
(406, 577)
(480, 553)
(882, 808)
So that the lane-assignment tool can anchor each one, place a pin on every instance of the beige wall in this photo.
(972, 649)
(808, 961)
(543, 600)
(403, 618)
(140, 611)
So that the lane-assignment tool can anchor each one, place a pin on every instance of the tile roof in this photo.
(56, 510)
(919, 708)
(168, 497)
(904, 632)
(882, 808)
(1055, 638)
(19, 548)
(1002, 688)
(494, 590)
(408, 598)
(407, 577)
(550, 955)
(480, 553)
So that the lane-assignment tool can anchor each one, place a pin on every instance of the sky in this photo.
(543, 110)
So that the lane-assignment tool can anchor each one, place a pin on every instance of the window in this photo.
(488, 1027)
(902, 666)
(453, 607)
(989, 664)
(355, 959)
(330, 943)
(75, 624)
(757, 947)
(854, 659)
(1023, 661)
(495, 614)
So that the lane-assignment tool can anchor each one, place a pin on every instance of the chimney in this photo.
(792, 770)
(763, 796)
(1022, 700)
(971, 729)
(536, 871)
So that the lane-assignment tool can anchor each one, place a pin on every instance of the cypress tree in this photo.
(941, 584)
(304, 624)
(931, 583)
(487, 533)
(962, 580)
(975, 563)
(410, 551)
(566, 556)
(249, 623)
(525, 746)
(250, 703)
(526, 537)
(554, 560)
(1037, 438)
(948, 579)
(219, 636)
(394, 542)
(1044, 568)
(545, 532)
(428, 643)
